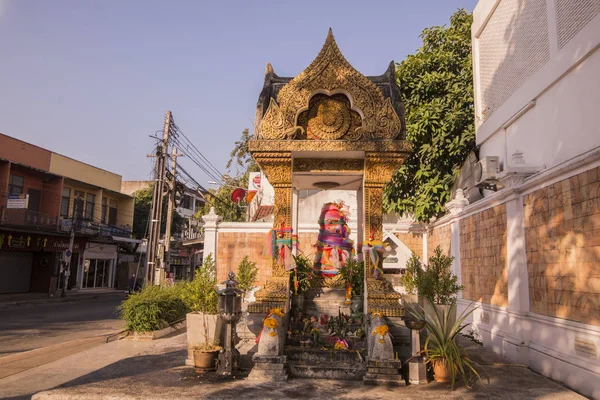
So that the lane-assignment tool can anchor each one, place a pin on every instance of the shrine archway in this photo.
(330, 126)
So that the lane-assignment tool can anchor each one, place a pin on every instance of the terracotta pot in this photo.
(205, 360)
(441, 372)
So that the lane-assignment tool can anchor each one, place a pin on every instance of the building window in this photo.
(112, 216)
(64, 202)
(78, 204)
(90, 202)
(104, 209)
(15, 185)
(186, 202)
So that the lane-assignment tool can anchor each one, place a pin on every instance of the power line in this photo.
(196, 155)
(189, 142)
(190, 154)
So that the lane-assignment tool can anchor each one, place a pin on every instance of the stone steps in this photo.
(334, 371)
(384, 373)
(315, 355)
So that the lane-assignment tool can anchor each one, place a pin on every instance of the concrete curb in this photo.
(57, 299)
(16, 363)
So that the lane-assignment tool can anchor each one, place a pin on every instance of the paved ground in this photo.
(30, 325)
(36, 331)
(154, 370)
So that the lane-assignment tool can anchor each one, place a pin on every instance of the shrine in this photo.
(330, 127)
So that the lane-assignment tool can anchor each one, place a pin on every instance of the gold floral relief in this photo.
(330, 72)
(327, 164)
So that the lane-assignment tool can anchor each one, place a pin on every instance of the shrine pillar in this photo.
(378, 171)
(277, 166)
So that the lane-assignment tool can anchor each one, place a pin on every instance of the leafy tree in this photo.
(247, 273)
(437, 91)
(240, 155)
(141, 213)
(220, 198)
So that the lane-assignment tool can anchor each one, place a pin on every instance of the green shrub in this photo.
(153, 308)
(302, 275)
(437, 283)
(246, 276)
(200, 294)
(353, 273)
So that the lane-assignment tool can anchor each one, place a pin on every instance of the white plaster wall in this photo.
(309, 208)
(562, 124)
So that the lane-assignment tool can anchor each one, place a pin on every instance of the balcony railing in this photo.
(93, 228)
(26, 218)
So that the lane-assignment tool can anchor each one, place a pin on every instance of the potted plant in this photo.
(301, 277)
(436, 286)
(441, 350)
(203, 325)
(246, 276)
(352, 273)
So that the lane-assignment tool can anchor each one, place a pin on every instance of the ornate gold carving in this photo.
(335, 282)
(401, 147)
(379, 168)
(327, 164)
(277, 167)
(272, 126)
(331, 72)
(274, 290)
(329, 119)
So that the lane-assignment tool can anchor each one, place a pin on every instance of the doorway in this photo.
(97, 274)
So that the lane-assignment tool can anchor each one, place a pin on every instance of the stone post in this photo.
(211, 222)
(456, 207)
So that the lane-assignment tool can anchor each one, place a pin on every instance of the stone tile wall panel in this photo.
(439, 236)
(483, 258)
(562, 234)
(414, 241)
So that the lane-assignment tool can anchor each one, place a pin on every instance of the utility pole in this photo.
(171, 206)
(152, 253)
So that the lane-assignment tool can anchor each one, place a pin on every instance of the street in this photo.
(28, 327)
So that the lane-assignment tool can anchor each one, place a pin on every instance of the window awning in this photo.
(126, 240)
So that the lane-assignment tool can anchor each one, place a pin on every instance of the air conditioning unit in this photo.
(486, 171)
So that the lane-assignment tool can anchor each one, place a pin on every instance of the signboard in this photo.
(254, 181)
(17, 201)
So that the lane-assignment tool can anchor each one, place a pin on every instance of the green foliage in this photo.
(353, 273)
(437, 283)
(240, 155)
(440, 345)
(412, 275)
(220, 198)
(200, 294)
(301, 276)
(437, 91)
(141, 212)
(153, 308)
(246, 276)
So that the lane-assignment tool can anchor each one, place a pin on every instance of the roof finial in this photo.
(269, 69)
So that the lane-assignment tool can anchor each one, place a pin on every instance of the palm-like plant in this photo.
(441, 348)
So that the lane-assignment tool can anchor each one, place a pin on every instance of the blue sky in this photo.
(93, 79)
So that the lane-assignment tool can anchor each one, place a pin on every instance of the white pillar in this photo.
(424, 258)
(518, 279)
(516, 344)
(211, 222)
(456, 207)
(360, 218)
(295, 201)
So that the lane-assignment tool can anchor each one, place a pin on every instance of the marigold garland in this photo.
(277, 311)
(381, 330)
(271, 323)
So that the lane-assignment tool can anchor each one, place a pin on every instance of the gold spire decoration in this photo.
(331, 73)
